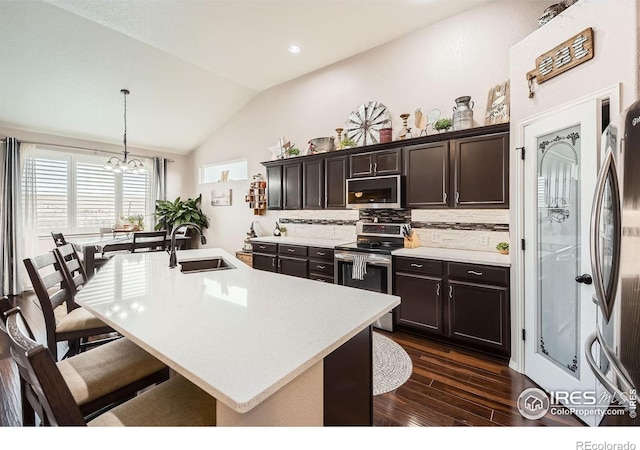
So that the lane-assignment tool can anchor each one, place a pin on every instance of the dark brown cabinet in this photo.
(420, 285)
(274, 187)
(481, 171)
(381, 162)
(321, 266)
(292, 260)
(427, 170)
(292, 186)
(313, 184)
(265, 262)
(336, 170)
(478, 306)
(461, 303)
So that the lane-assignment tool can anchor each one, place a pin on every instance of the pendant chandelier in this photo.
(118, 165)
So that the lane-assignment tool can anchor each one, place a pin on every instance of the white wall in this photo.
(464, 55)
(615, 25)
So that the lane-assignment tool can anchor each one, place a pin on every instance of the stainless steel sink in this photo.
(205, 265)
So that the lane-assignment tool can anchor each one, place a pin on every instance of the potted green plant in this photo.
(347, 143)
(503, 247)
(170, 213)
(293, 151)
(283, 231)
(136, 221)
(442, 124)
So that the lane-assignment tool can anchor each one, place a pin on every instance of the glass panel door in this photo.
(559, 252)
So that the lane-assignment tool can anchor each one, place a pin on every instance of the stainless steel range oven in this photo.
(367, 263)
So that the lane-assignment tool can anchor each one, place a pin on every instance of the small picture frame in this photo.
(221, 197)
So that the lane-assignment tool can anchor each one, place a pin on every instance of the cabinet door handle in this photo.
(438, 290)
(370, 167)
(279, 263)
(457, 198)
(273, 262)
(450, 291)
(320, 253)
(291, 250)
(444, 197)
(419, 266)
(321, 267)
(473, 272)
(262, 247)
(375, 167)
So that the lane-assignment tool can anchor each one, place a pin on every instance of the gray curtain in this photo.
(11, 219)
(159, 182)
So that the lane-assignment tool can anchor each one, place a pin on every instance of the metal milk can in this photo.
(463, 113)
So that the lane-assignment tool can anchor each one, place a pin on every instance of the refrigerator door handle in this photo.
(615, 365)
(605, 296)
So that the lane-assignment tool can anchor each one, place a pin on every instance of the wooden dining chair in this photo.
(175, 402)
(52, 290)
(99, 379)
(98, 261)
(149, 241)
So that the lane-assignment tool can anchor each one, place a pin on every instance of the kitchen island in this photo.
(256, 341)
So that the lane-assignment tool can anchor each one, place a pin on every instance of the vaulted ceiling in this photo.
(190, 64)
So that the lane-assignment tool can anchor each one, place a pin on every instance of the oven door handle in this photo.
(374, 260)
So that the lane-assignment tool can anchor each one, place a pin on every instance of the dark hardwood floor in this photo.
(454, 387)
(448, 387)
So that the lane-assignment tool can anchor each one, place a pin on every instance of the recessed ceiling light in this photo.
(294, 49)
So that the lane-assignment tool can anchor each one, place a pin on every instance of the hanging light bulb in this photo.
(118, 165)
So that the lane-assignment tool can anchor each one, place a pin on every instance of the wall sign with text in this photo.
(561, 58)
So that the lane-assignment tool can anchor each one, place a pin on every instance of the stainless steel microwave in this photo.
(375, 192)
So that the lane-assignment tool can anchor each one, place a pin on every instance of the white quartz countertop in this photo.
(447, 254)
(309, 242)
(239, 334)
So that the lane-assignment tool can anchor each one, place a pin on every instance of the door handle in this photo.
(262, 247)
(375, 168)
(370, 168)
(450, 291)
(279, 263)
(291, 250)
(273, 262)
(419, 266)
(473, 272)
(321, 267)
(438, 290)
(584, 278)
(320, 253)
(457, 198)
(444, 197)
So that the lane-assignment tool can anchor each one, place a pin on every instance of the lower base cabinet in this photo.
(421, 305)
(265, 262)
(478, 315)
(467, 304)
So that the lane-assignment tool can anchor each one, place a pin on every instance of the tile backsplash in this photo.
(459, 229)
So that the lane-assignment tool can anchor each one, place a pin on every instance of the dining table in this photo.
(91, 246)
(272, 349)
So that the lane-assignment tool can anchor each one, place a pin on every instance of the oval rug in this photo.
(392, 366)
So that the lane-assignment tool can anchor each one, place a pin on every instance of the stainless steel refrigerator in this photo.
(613, 350)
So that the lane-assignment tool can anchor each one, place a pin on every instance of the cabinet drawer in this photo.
(321, 277)
(475, 272)
(321, 267)
(264, 247)
(292, 250)
(321, 253)
(420, 266)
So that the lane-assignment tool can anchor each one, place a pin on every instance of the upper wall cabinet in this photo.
(427, 170)
(336, 170)
(274, 187)
(481, 171)
(292, 186)
(313, 184)
(371, 164)
(461, 169)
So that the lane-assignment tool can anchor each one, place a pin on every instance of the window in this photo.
(224, 171)
(72, 193)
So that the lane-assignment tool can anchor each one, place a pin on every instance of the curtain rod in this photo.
(4, 138)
